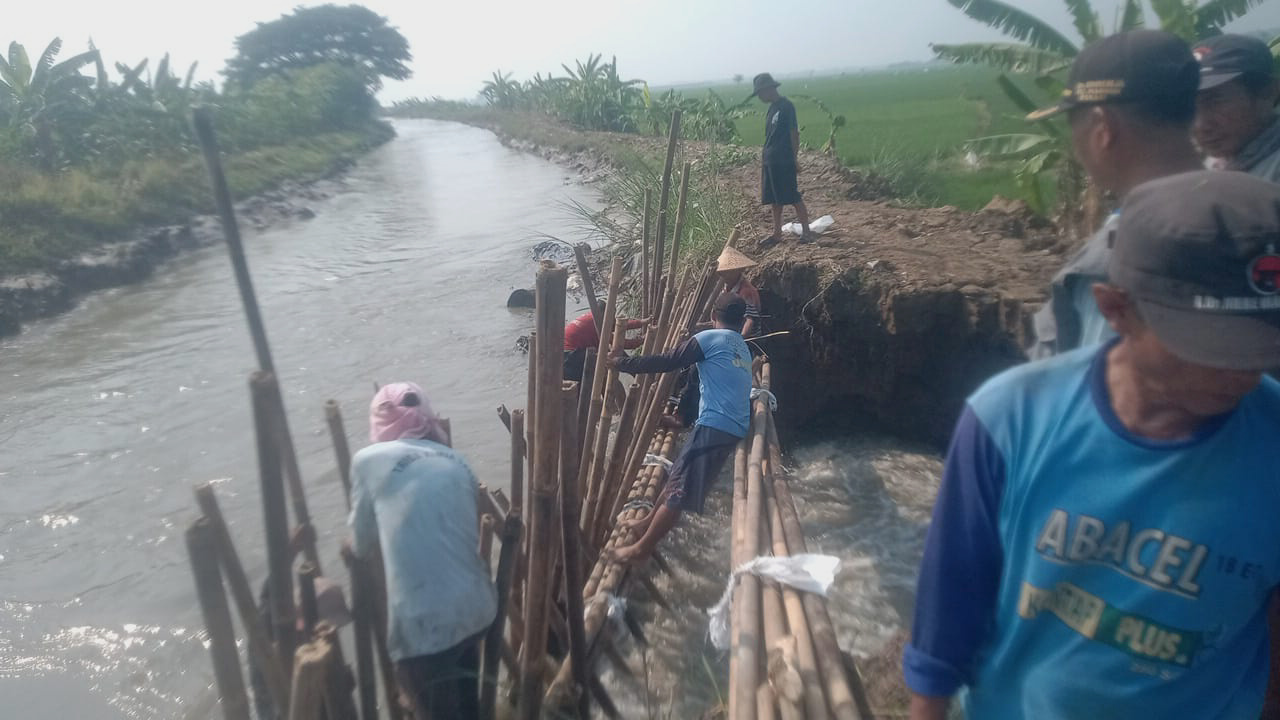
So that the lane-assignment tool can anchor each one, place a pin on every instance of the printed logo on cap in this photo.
(1264, 272)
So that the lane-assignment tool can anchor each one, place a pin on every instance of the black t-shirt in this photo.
(779, 121)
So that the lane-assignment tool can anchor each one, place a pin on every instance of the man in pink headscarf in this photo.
(416, 498)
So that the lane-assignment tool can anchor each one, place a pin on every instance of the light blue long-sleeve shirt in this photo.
(417, 499)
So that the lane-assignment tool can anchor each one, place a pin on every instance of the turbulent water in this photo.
(111, 413)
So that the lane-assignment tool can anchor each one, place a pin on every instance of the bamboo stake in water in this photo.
(260, 646)
(205, 136)
(341, 451)
(202, 548)
(660, 233)
(590, 479)
(550, 291)
(601, 374)
(570, 502)
(510, 539)
(275, 517)
(362, 629)
(588, 286)
(685, 172)
(644, 256)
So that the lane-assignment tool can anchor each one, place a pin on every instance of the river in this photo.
(114, 411)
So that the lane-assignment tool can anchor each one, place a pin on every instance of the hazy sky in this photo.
(456, 44)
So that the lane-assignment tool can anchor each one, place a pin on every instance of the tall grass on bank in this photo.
(711, 210)
(48, 217)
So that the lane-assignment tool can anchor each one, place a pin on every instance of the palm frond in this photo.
(1211, 16)
(1176, 17)
(1009, 57)
(1010, 146)
(1018, 24)
(1131, 17)
(1085, 19)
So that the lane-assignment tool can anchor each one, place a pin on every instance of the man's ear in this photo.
(1117, 307)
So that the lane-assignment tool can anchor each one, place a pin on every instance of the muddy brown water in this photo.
(112, 412)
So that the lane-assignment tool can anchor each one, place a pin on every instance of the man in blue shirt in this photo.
(1104, 543)
(415, 497)
(1130, 105)
(724, 411)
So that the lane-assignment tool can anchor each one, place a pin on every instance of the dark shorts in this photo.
(695, 470)
(574, 360)
(778, 184)
(444, 684)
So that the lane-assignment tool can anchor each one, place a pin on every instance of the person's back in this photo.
(417, 498)
(724, 376)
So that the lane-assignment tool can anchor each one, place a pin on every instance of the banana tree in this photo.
(1042, 54)
(501, 91)
(33, 96)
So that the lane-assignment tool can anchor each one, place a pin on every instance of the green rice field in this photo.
(910, 123)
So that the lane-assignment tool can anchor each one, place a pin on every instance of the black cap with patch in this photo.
(1151, 68)
(1226, 57)
(1199, 253)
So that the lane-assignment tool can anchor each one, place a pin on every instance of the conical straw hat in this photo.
(733, 259)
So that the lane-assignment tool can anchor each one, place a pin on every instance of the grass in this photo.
(919, 116)
(48, 218)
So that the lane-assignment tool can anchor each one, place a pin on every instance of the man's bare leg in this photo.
(802, 214)
(664, 518)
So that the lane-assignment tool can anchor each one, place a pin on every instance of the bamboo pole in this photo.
(595, 517)
(279, 554)
(582, 409)
(659, 255)
(685, 172)
(202, 548)
(588, 286)
(518, 445)
(747, 598)
(307, 594)
(487, 523)
(815, 704)
(550, 364)
(590, 477)
(736, 533)
(510, 538)
(202, 119)
(830, 666)
(341, 450)
(601, 376)
(570, 502)
(362, 629)
(260, 646)
(766, 708)
(644, 255)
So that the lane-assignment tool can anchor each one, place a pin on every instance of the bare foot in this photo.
(626, 555)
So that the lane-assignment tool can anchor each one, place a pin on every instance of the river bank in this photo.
(49, 259)
(892, 317)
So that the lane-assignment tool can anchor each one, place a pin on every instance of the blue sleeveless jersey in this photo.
(724, 376)
(1074, 570)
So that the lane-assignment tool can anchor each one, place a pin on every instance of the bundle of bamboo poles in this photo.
(785, 660)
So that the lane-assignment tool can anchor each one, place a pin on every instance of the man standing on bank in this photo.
(1104, 543)
(778, 184)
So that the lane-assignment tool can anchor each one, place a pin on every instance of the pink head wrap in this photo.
(400, 411)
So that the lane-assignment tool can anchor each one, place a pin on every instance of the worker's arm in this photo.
(795, 133)
(682, 356)
(364, 526)
(960, 571)
(928, 708)
(748, 325)
(633, 343)
(638, 323)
